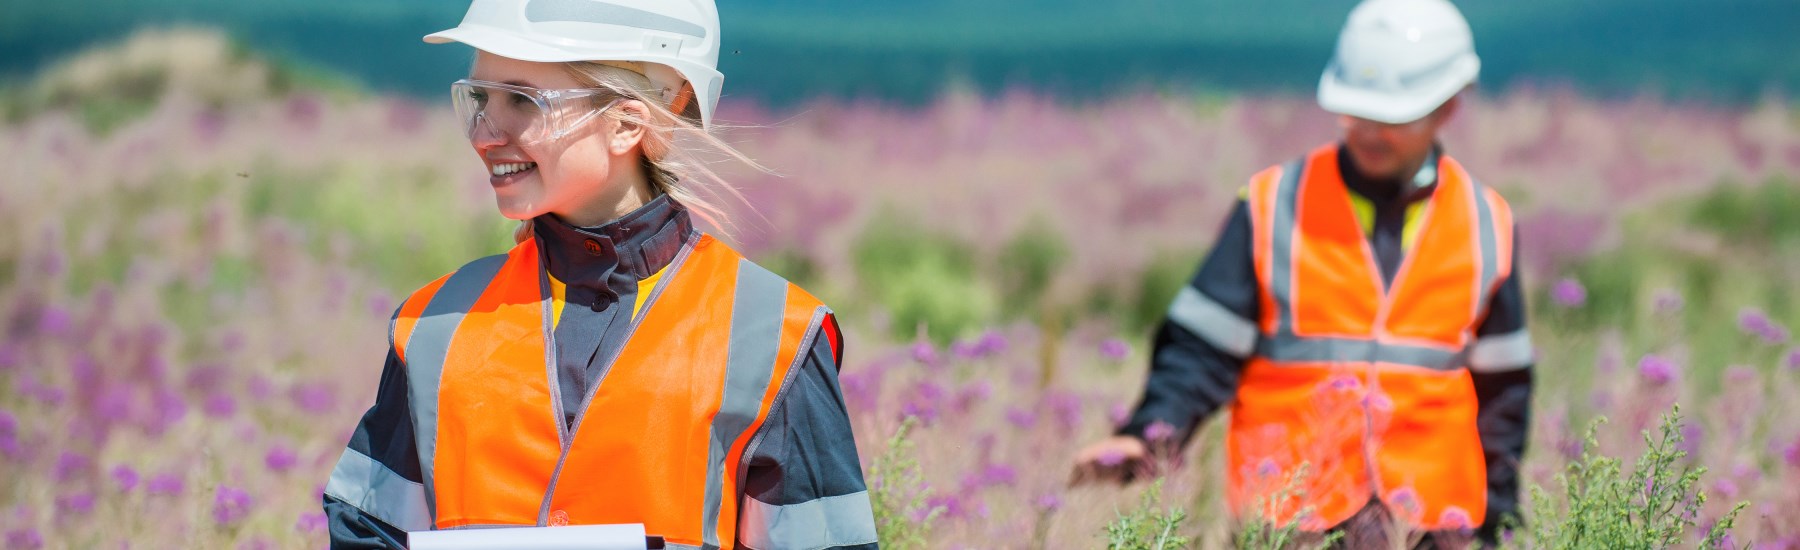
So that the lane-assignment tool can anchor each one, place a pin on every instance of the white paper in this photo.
(629, 536)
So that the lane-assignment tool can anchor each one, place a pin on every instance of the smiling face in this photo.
(586, 177)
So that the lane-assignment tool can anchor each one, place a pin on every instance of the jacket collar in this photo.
(600, 263)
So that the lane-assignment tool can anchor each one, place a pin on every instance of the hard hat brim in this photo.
(1394, 107)
(503, 44)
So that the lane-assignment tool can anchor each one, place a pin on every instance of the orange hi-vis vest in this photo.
(1364, 385)
(662, 438)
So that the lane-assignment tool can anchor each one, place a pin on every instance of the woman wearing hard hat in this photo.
(617, 366)
(1359, 315)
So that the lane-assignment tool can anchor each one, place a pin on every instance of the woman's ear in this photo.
(629, 132)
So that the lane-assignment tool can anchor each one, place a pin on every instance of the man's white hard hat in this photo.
(1398, 60)
(674, 41)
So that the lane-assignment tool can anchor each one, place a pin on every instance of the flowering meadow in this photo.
(200, 250)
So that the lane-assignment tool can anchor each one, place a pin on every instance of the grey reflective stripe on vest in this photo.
(426, 350)
(844, 520)
(1208, 319)
(594, 11)
(757, 313)
(368, 485)
(1296, 349)
(1490, 248)
(1283, 226)
(1510, 351)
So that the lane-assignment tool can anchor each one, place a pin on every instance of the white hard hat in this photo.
(1398, 60)
(675, 40)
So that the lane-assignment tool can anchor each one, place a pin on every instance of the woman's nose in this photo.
(483, 134)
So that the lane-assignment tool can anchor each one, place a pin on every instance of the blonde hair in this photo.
(672, 142)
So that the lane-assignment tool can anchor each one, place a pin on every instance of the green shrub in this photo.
(1262, 533)
(1603, 507)
(1156, 288)
(1028, 264)
(922, 279)
(1149, 527)
(897, 496)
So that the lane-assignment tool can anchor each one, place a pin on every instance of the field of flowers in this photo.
(199, 252)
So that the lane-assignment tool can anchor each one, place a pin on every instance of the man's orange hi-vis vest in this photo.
(1364, 386)
(662, 436)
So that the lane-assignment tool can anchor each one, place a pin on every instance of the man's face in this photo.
(1386, 151)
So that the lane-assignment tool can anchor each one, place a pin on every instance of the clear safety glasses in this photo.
(526, 114)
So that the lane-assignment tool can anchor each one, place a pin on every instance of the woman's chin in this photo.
(517, 209)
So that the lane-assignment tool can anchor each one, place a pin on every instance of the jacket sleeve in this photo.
(1203, 341)
(375, 494)
(1501, 363)
(803, 487)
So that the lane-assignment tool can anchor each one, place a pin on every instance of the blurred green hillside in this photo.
(785, 51)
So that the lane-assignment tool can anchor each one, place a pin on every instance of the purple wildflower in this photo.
(1568, 292)
(315, 398)
(1668, 301)
(9, 356)
(925, 353)
(1048, 502)
(259, 387)
(991, 475)
(310, 522)
(164, 484)
(1725, 488)
(75, 504)
(69, 465)
(991, 343)
(925, 412)
(380, 305)
(230, 505)
(125, 477)
(1406, 499)
(1791, 454)
(24, 539)
(1115, 349)
(1602, 400)
(953, 506)
(1266, 468)
(1793, 360)
(1656, 370)
(1158, 432)
(860, 387)
(170, 409)
(965, 350)
(9, 436)
(1118, 414)
(1692, 435)
(1022, 419)
(280, 458)
(1455, 517)
(55, 321)
(973, 394)
(220, 405)
(1067, 408)
(1756, 323)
